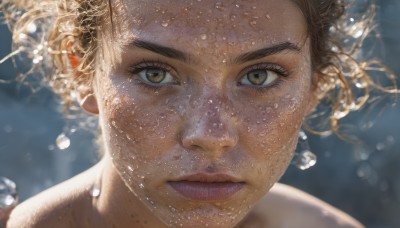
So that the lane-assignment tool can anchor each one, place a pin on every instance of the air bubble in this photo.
(63, 142)
(302, 136)
(8, 193)
(305, 160)
(31, 28)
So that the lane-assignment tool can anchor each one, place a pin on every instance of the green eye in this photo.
(155, 76)
(260, 77)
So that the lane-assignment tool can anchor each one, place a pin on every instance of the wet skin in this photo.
(226, 103)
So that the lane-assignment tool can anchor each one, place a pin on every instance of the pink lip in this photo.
(207, 187)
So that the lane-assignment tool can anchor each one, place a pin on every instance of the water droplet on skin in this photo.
(8, 193)
(305, 160)
(164, 24)
(63, 142)
(203, 36)
(141, 185)
(218, 5)
(267, 16)
(95, 190)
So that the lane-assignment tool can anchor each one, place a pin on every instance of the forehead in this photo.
(233, 21)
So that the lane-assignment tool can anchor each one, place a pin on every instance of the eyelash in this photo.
(146, 64)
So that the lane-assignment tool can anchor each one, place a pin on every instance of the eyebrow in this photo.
(261, 53)
(246, 57)
(162, 50)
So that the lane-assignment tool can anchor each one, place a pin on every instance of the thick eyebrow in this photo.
(162, 50)
(249, 56)
(261, 53)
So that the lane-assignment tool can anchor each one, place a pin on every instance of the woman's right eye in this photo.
(156, 76)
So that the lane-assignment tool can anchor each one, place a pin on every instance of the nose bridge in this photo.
(209, 128)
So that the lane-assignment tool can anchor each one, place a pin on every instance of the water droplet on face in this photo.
(218, 5)
(305, 160)
(203, 36)
(164, 24)
(253, 22)
(8, 193)
(63, 142)
(268, 16)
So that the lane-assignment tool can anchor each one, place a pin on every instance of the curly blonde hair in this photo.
(76, 27)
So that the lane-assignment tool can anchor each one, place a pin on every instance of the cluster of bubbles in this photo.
(304, 159)
(8, 194)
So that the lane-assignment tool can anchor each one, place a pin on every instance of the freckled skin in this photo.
(207, 123)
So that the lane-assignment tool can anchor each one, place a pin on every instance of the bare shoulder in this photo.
(288, 207)
(59, 206)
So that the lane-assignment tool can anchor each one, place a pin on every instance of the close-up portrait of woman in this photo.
(195, 110)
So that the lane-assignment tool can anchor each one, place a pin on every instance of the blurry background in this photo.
(363, 180)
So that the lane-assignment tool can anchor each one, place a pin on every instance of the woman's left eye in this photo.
(259, 77)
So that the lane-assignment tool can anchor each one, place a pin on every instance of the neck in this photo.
(117, 204)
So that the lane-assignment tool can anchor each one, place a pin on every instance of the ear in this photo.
(86, 97)
(87, 100)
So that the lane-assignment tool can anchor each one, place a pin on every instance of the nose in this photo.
(209, 129)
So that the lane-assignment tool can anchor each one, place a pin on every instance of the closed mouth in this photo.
(206, 187)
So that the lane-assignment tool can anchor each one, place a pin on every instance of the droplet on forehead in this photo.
(8, 193)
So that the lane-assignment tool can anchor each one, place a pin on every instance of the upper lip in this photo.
(209, 178)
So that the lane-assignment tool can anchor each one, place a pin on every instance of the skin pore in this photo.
(199, 112)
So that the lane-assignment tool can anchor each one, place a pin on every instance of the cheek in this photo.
(270, 136)
(138, 128)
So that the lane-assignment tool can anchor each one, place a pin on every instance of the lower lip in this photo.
(206, 191)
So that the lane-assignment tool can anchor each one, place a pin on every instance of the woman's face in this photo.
(200, 116)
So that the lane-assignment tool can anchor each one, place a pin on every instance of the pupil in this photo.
(257, 77)
(155, 75)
